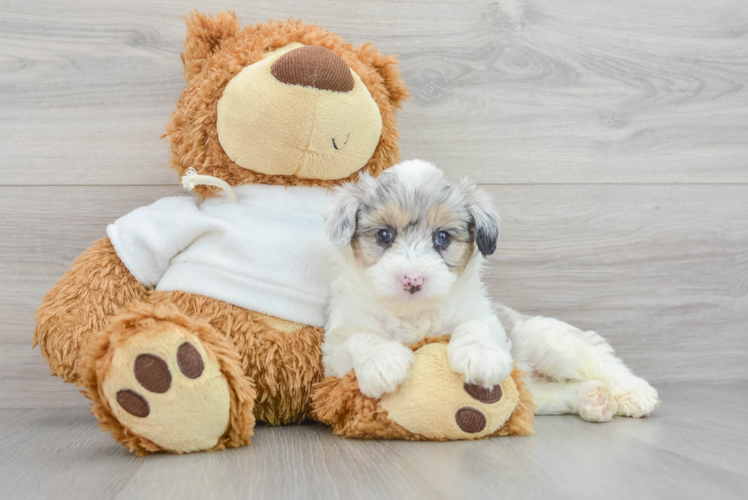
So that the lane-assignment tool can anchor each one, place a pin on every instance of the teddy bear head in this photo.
(282, 103)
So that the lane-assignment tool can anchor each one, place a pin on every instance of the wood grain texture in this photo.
(660, 271)
(695, 447)
(511, 91)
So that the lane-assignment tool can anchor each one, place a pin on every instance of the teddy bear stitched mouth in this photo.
(307, 151)
(341, 146)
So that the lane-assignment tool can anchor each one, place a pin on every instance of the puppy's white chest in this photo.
(415, 328)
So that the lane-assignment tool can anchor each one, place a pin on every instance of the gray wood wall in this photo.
(614, 136)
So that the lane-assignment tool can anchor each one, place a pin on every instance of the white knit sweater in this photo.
(268, 252)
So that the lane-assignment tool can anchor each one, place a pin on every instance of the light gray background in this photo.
(613, 135)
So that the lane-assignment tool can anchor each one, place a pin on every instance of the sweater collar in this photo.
(279, 198)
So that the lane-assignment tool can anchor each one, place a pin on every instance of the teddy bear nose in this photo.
(313, 66)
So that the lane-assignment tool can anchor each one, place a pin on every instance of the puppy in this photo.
(414, 249)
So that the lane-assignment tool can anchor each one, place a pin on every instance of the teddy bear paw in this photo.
(169, 390)
(438, 403)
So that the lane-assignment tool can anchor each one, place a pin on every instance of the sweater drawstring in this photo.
(191, 179)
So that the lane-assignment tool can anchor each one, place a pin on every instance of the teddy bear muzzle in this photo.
(300, 111)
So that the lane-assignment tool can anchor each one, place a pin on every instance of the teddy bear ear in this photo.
(204, 34)
(388, 69)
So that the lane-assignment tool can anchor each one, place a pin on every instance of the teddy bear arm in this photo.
(80, 303)
(433, 403)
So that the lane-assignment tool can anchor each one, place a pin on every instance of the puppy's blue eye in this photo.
(384, 237)
(442, 239)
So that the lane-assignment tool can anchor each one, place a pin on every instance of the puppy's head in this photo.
(412, 230)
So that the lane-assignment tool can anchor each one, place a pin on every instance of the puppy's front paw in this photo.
(384, 371)
(481, 361)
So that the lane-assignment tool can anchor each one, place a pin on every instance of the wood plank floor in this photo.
(696, 446)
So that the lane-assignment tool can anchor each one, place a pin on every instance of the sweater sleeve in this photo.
(148, 238)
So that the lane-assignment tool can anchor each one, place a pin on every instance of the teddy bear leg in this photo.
(80, 304)
(160, 381)
(283, 359)
(285, 363)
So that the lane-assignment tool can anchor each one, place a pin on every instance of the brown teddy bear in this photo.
(195, 317)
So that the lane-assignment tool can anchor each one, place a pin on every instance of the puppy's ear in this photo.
(341, 214)
(485, 215)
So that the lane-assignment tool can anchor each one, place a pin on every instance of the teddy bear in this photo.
(194, 317)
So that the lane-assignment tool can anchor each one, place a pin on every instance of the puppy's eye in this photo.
(442, 239)
(384, 237)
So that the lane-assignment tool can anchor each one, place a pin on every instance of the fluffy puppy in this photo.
(413, 245)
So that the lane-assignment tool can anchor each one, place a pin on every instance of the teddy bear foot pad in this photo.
(161, 389)
(162, 384)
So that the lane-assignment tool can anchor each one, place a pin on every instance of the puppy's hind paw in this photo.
(596, 403)
(637, 400)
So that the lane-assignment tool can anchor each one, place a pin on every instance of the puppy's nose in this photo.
(412, 284)
(313, 66)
